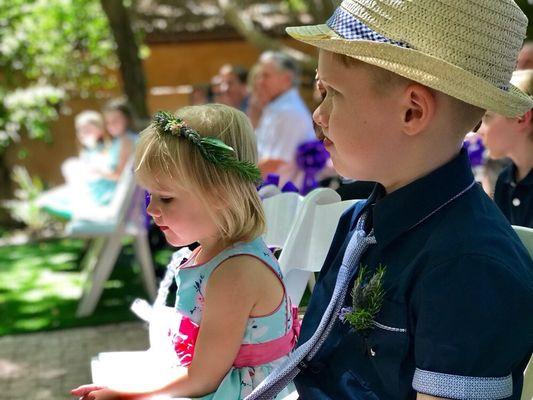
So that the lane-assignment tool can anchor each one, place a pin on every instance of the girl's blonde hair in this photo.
(232, 201)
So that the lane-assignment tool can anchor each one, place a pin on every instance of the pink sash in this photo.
(250, 355)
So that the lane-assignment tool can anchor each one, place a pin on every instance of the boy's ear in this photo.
(525, 121)
(418, 108)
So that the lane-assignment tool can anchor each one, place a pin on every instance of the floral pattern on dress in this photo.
(191, 281)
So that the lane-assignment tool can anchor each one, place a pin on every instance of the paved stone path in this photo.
(46, 365)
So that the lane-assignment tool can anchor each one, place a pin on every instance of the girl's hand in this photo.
(84, 390)
(93, 392)
(105, 394)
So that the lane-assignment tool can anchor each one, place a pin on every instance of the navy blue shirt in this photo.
(458, 301)
(515, 199)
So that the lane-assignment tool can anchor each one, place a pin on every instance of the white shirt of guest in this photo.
(285, 124)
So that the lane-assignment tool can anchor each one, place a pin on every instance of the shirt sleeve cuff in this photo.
(462, 387)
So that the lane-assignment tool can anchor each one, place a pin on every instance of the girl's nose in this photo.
(152, 210)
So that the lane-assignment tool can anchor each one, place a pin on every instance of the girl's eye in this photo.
(166, 200)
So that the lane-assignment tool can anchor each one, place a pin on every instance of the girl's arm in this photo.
(233, 292)
(126, 148)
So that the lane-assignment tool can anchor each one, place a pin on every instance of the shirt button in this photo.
(516, 202)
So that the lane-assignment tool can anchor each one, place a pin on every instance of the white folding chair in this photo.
(268, 191)
(526, 236)
(309, 239)
(280, 212)
(107, 226)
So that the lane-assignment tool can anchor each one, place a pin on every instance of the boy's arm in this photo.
(421, 396)
(470, 332)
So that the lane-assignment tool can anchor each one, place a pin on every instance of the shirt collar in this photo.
(509, 173)
(399, 211)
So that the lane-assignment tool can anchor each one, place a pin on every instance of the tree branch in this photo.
(244, 26)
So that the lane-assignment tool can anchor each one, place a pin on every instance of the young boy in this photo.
(405, 81)
(513, 138)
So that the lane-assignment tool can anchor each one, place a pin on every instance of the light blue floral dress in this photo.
(191, 281)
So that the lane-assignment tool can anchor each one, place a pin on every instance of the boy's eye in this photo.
(331, 92)
(321, 89)
(487, 116)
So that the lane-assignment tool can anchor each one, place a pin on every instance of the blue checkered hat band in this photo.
(349, 27)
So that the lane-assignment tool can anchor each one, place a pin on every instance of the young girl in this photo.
(117, 117)
(237, 323)
(513, 138)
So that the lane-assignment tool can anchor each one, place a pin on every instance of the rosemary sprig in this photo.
(212, 149)
(367, 299)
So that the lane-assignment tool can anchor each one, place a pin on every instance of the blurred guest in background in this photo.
(513, 138)
(285, 122)
(233, 86)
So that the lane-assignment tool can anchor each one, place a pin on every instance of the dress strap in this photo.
(164, 286)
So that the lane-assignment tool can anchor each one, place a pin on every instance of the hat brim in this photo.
(427, 70)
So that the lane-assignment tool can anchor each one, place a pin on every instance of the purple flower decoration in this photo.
(475, 150)
(273, 179)
(289, 187)
(311, 157)
(344, 311)
(148, 219)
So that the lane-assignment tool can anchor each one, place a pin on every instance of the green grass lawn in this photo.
(41, 283)
(40, 286)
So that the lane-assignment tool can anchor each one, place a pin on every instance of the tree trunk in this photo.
(6, 190)
(131, 68)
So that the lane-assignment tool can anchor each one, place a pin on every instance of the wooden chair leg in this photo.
(97, 276)
(94, 249)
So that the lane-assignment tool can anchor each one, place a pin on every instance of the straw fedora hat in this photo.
(464, 48)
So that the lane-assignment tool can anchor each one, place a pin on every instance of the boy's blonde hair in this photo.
(466, 116)
(232, 201)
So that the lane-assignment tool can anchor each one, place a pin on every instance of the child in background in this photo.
(513, 138)
(86, 183)
(199, 168)
(117, 117)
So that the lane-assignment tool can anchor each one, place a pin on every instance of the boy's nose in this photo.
(320, 116)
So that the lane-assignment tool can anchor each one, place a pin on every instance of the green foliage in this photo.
(367, 297)
(49, 49)
(296, 5)
(25, 208)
